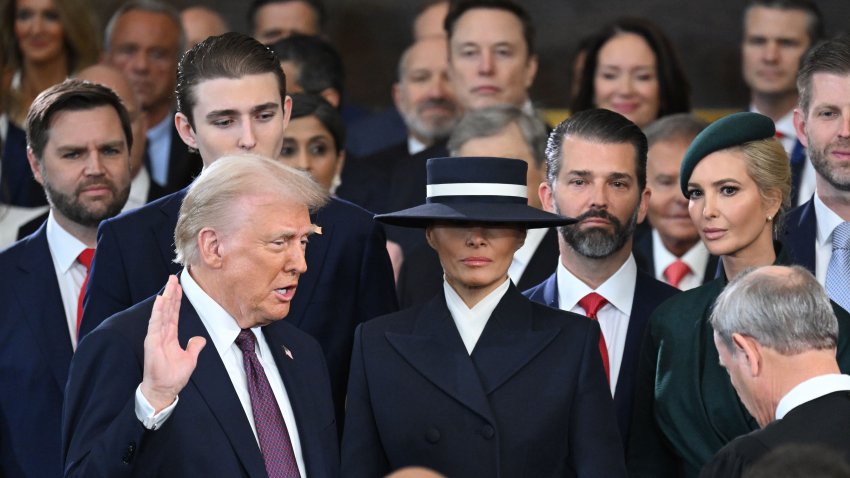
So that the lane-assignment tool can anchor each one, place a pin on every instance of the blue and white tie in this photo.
(838, 272)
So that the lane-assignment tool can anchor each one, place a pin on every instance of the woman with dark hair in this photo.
(737, 179)
(42, 42)
(314, 139)
(631, 67)
(479, 381)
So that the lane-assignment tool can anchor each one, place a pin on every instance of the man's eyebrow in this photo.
(271, 105)
(220, 113)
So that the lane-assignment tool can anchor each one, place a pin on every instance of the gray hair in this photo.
(151, 6)
(685, 126)
(783, 308)
(490, 121)
(212, 196)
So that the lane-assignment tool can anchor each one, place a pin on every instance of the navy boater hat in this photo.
(733, 130)
(475, 189)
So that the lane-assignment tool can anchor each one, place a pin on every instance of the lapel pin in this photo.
(287, 352)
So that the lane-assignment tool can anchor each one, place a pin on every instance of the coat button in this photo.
(432, 435)
(128, 454)
(488, 432)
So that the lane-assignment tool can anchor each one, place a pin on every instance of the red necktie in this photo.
(675, 272)
(85, 259)
(591, 303)
(271, 429)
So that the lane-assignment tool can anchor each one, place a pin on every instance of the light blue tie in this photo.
(838, 272)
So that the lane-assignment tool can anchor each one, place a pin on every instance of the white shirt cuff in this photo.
(146, 413)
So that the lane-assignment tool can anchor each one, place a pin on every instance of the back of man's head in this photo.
(232, 55)
(319, 64)
(680, 126)
(597, 125)
(830, 56)
(782, 308)
(213, 197)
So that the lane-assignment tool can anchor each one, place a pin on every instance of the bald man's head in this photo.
(115, 80)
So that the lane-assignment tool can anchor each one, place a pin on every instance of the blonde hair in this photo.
(768, 165)
(212, 196)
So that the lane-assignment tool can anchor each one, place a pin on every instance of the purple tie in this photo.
(271, 429)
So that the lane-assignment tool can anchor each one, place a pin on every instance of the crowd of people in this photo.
(213, 264)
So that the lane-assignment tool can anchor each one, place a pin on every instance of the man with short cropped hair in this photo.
(776, 333)
(271, 20)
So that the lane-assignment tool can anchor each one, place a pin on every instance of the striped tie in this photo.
(838, 272)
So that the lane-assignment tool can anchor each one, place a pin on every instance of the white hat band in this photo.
(477, 189)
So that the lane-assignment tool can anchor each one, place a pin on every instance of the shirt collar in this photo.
(696, 257)
(161, 129)
(827, 221)
(533, 238)
(811, 389)
(484, 308)
(221, 326)
(64, 247)
(618, 290)
(414, 145)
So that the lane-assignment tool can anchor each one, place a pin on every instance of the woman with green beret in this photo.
(737, 179)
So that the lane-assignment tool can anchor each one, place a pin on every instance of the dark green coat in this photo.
(685, 406)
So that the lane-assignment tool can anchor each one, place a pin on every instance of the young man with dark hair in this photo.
(271, 20)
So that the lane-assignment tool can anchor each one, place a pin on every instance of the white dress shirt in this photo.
(414, 145)
(613, 317)
(159, 149)
(139, 188)
(811, 389)
(470, 323)
(827, 221)
(523, 255)
(223, 331)
(64, 250)
(696, 258)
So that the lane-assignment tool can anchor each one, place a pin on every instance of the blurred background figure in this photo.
(632, 67)
(271, 20)
(671, 250)
(429, 19)
(200, 22)
(312, 65)
(313, 140)
(42, 42)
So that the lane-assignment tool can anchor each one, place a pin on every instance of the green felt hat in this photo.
(733, 130)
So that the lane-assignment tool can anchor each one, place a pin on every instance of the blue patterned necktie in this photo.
(271, 429)
(838, 272)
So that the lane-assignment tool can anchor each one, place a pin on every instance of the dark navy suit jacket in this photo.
(349, 277)
(649, 294)
(208, 433)
(35, 352)
(800, 234)
(531, 400)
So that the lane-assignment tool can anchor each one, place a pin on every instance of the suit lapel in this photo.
(215, 388)
(41, 300)
(800, 237)
(508, 341)
(434, 348)
(550, 291)
(164, 230)
(317, 250)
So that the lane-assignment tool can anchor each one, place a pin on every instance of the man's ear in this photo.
(185, 130)
(287, 110)
(547, 197)
(800, 126)
(750, 351)
(210, 248)
(331, 95)
(34, 166)
(644, 204)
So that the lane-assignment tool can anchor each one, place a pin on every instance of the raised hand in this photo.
(167, 367)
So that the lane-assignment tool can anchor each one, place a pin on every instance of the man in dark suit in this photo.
(671, 250)
(144, 39)
(817, 234)
(503, 131)
(776, 334)
(228, 106)
(79, 148)
(256, 401)
(596, 172)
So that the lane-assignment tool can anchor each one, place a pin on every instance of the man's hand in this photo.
(167, 366)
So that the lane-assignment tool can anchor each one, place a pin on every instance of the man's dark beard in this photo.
(70, 206)
(827, 171)
(597, 242)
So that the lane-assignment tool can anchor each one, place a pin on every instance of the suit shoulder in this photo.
(400, 321)
(655, 287)
(10, 255)
(342, 208)
(150, 212)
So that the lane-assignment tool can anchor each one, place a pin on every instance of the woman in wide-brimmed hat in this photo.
(480, 381)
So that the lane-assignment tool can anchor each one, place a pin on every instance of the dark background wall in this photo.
(371, 34)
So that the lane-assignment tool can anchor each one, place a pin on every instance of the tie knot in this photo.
(246, 341)
(675, 272)
(591, 303)
(841, 236)
(86, 257)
